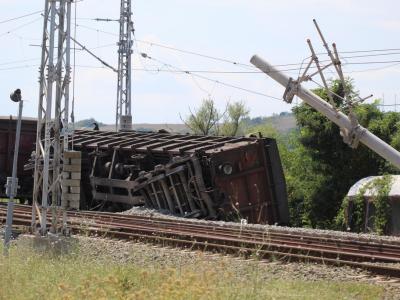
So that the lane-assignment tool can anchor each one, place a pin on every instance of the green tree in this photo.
(205, 120)
(236, 112)
(324, 167)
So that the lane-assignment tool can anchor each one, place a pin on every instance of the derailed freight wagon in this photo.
(8, 126)
(210, 177)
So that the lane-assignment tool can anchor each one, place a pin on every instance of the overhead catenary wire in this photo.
(18, 61)
(94, 55)
(156, 70)
(250, 66)
(20, 17)
(210, 79)
(19, 27)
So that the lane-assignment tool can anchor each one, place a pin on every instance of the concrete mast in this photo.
(355, 132)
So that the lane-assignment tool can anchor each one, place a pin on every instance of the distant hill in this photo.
(283, 123)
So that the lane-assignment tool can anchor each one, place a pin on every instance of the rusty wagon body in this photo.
(208, 177)
(8, 126)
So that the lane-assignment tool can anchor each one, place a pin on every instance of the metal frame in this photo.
(53, 108)
(124, 108)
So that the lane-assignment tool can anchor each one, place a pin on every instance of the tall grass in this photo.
(28, 274)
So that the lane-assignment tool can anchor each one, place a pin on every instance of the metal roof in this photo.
(394, 191)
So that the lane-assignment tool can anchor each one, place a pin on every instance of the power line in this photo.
(373, 50)
(370, 55)
(18, 67)
(210, 79)
(97, 30)
(250, 66)
(160, 70)
(373, 69)
(198, 54)
(21, 26)
(94, 55)
(373, 62)
(17, 61)
(20, 17)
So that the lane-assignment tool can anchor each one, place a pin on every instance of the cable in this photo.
(197, 54)
(212, 80)
(18, 67)
(161, 70)
(373, 69)
(373, 62)
(251, 66)
(180, 50)
(374, 50)
(97, 30)
(18, 61)
(369, 55)
(94, 55)
(20, 17)
(19, 27)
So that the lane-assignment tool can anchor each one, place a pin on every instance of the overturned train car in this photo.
(208, 177)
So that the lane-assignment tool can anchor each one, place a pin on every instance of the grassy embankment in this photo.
(27, 274)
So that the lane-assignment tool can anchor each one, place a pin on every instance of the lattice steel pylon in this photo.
(124, 109)
(53, 108)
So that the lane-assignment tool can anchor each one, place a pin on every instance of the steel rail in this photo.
(255, 235)
(373, 251)
(229, 239)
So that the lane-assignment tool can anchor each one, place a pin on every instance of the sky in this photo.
(233, 30)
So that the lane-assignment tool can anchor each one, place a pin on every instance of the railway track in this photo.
(377, 257)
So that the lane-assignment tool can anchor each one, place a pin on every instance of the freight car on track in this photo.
(209, 177)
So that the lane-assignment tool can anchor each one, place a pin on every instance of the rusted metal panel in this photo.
(244, 185)
(210, 177)
(27, 145)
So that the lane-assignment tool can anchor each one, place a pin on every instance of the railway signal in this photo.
(12, 182)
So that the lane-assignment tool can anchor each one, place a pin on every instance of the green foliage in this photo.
(320, 168)
(381, 202)
(206, 120)
(235, 113)
(379, 188)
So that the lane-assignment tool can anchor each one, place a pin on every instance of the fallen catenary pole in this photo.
(358, 133)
